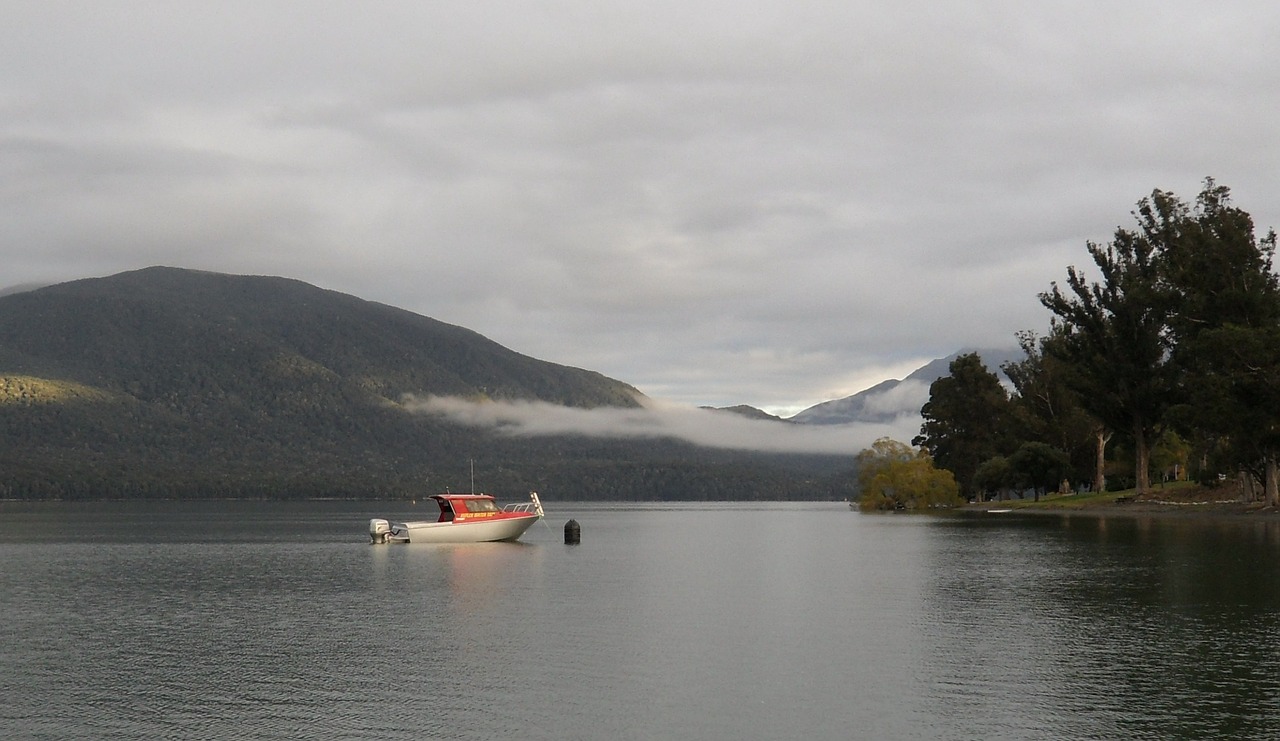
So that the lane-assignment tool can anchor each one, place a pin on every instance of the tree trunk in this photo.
(1100, 473)
(1271, 487)
(1248, 488)
(1141, 473)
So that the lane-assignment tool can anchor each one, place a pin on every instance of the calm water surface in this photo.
(251, 620)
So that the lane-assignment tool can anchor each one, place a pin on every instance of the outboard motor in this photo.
(379, 530)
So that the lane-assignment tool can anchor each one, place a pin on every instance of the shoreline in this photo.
(1195, 505)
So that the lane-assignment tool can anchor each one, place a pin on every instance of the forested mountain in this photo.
(168, 382)
(159, 332)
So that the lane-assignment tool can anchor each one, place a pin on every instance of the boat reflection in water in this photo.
(464, 518)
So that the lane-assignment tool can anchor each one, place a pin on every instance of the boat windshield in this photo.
(481, 505)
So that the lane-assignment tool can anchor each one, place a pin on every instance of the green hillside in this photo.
(167, 382)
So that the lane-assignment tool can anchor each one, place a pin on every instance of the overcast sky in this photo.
(769, 203)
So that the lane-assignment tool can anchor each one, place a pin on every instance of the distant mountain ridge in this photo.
(889, 400)
(21, 288)
(748, 411)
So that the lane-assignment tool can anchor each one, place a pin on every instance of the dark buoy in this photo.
(572, 533)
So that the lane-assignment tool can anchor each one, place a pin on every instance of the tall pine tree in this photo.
(1114, 334)
(1225, 323)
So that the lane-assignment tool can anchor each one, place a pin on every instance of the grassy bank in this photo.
(1180, 497)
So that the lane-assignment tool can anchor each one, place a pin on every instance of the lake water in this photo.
(252, 620)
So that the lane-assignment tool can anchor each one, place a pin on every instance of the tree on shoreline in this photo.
(1114, 335)
(967, 420)
(1175, 350)
(1050, 412)
(894, 476)
(1225, 325)
(1181, 332)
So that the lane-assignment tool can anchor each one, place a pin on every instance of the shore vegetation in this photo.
(1161, 366)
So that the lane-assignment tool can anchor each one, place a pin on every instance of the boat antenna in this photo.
(472, 461)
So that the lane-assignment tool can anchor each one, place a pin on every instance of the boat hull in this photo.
(475, 531)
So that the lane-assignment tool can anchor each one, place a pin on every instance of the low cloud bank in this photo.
(706, 427)
(904, 398)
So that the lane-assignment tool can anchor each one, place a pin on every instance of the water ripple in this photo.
(780, 621)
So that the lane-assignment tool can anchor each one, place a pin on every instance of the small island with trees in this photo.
(1166, 368)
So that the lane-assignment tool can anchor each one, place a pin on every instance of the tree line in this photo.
(1170, 360)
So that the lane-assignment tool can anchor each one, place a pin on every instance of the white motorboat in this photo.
(463, 518)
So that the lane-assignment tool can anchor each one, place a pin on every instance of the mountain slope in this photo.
(750, 412)
(167, 382)
(891, 399)
(159, 331)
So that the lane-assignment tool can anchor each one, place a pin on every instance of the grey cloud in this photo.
(720, 203)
